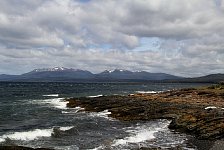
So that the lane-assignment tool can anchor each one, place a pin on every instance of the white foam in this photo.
(71, 147)
(52, 95)
(32, 135)
(98, 148)
(2, 140)
(103, 114)
(140, 134)
(28, 135)
(146, 92)
(95, 96)
(72, 110)
(66, 128)
(210, 107)
(59, 103)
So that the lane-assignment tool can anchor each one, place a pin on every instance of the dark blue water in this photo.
(35, 115)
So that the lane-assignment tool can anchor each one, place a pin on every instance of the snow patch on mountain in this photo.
(55, 69)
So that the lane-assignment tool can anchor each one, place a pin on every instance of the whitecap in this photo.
(66, 128)
(137, 137)
(146, 92)
(95, 96)
(140, 134)
(58, 103)
(71, 147)
(27, 135)
(65, 112)
(210, 107)
(52, 95)
(32, 135)
(103, 114)
(2, 140)
(72, 110)
(98, 148)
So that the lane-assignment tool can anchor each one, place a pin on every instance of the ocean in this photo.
(35, 115)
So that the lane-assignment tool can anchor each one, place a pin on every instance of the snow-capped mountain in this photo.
(70, 74)
(115, 71)
(137, 75)
(58, 73)
(50, 69)
(55, 69)
(77, 75)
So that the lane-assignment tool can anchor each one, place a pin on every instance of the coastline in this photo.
(198, 112)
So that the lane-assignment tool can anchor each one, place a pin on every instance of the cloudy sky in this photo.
(180, 37)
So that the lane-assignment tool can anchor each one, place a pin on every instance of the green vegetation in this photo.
(219, 86)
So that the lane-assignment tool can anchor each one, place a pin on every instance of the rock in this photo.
(219, 145)
(185, 107)
(57, 133)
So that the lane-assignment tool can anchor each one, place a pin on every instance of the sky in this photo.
(179, 37)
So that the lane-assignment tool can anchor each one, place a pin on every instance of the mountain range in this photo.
(78, 75)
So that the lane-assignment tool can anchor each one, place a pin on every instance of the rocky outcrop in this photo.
(195, 111)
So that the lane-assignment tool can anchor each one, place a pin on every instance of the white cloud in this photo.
(69, 33)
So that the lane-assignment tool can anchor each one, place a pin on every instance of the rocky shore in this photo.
(199, 112)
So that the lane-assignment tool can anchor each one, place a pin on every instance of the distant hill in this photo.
(57, 73)
(50, 74)
(5, 77)
(129, 75)
(212, 78)
(76, 75)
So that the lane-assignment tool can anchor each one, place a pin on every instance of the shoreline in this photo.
(198, 112)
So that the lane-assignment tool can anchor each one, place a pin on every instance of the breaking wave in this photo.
(103, 114)
(51, 95)
(140, 133)
(58, 103)
(31, 135)
(72, 110)
(95, 96)
(146, 92)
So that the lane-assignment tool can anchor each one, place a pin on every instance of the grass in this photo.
(217, 89)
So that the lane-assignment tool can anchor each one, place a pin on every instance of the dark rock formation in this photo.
(195, 111)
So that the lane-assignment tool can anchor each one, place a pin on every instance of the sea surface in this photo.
(35, 115)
